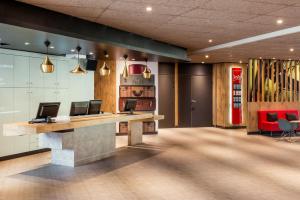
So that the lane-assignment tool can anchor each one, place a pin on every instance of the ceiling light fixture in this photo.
(104, 70)
(47, 66)
(51, 47)
(125, 73)
(210, 40)
(292, 49)
(72, 50)
(27, 43)
(241, 61)
(203, 62)
(206, 56)
(91, 53)
(147, 71)
(148, 8)
(279, 21)
(78, 69)
(133, 59)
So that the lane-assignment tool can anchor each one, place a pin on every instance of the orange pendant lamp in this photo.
(78, 69)
(105, 70)
(147, 71)
(47, 66)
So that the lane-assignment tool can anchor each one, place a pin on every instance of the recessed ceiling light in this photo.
(27, 43)
(133, 59)
(206, 56)
(274, 58)
(72, 50)
(292, 49)
(51, 47)
(91, 53)
(241, 61)
(290, 59)
(260, 57)
(210, 40)
(202, 62)
(279, 21)
(148, 8)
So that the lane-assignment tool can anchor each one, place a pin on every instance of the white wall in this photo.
(154, 70)
(23, 86)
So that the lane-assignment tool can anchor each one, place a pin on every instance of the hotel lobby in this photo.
(149, 99)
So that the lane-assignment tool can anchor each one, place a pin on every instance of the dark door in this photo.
(201, 101)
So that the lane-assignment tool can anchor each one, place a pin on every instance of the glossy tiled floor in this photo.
(184, 164)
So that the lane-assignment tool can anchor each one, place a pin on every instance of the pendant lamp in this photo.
(78, 69)
(147, 71)
(47, 66)
(104, 70)
(125, 73)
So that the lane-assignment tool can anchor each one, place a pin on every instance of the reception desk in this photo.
(83, 139)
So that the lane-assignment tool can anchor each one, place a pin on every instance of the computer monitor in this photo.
(95, 107)
(130, 105)
(46, 110)
(79, 108)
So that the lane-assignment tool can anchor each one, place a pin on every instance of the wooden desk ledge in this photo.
(24, 128)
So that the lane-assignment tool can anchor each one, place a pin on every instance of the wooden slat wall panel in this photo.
(277, 82)
(281, 82)
(263, 81)
(272, 81)
(259, 81)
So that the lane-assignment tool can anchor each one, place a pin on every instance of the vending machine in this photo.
(236, 95)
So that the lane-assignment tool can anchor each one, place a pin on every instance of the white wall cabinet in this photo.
(23, 86)
(6, 70)
(21, 71)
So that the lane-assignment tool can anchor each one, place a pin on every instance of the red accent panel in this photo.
(236, 96)
(136, 69)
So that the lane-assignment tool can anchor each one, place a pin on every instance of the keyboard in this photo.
(35, 121)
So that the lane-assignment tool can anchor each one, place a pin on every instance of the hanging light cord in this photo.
(47, 43)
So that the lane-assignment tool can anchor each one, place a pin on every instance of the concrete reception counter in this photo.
(82, 139)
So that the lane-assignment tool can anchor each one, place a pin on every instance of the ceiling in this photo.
(191, 23)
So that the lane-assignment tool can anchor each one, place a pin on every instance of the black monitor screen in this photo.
(47, 110)
(130, 105)
(79, 108)
(94, 107)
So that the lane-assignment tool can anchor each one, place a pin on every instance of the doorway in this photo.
(195, 95)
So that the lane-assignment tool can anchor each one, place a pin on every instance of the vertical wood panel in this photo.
(281, 82)
(176, 96)
(277, 81)
(258, 81)
(105, 87)
(267, 81)
(272, 81)
(286, 83)
(263, 81)
(250, 79)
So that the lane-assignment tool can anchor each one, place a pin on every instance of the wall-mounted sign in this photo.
(236, 96)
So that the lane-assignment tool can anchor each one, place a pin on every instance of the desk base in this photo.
(81, 146)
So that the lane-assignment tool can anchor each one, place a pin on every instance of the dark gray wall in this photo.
(166, 94)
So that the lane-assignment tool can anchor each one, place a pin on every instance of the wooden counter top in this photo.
(24, 128)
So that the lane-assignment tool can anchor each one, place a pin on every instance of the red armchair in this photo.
(264, 125)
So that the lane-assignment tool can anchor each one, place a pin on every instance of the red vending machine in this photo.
(236, 96)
